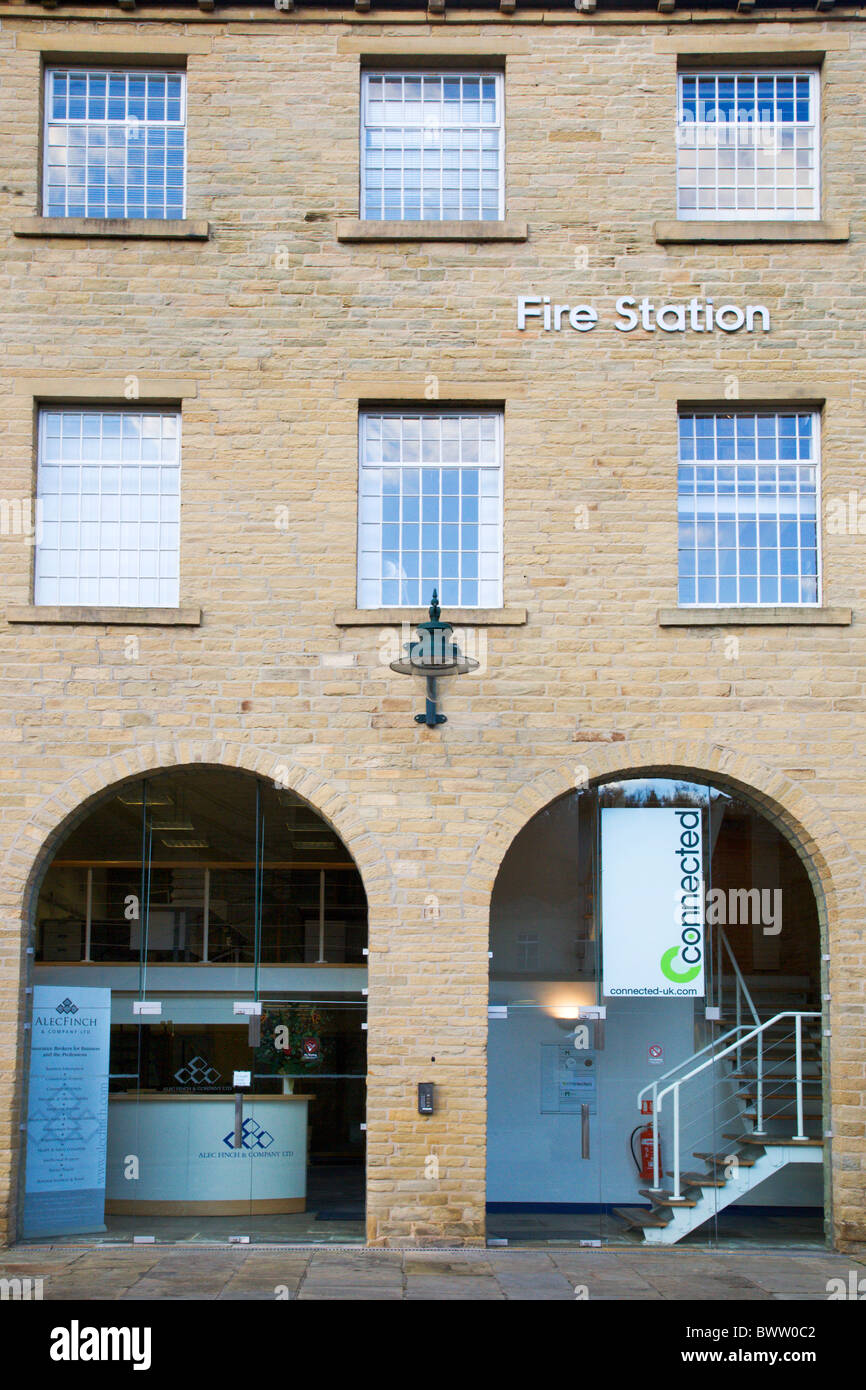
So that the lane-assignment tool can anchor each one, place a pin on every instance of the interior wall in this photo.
(534, 1157)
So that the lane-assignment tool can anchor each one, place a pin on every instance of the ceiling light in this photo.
(136, 799)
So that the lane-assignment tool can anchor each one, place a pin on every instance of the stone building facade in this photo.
(269, 317)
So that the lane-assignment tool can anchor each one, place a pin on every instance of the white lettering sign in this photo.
(696, 316)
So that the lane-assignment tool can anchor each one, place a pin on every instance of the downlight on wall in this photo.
(565, 1002)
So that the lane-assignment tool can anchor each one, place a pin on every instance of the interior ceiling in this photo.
(216, 806)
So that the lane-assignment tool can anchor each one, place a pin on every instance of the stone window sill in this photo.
(459, 617)
(757, 617)
(359, 229)
(140, 228)
(123, 617)
(671, 233)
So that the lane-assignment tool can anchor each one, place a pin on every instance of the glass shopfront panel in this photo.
(224, 925)
(703, 1110)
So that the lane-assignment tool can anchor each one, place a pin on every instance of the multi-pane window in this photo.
(430, 509)
(108, 503)
(747, 145)
(431, 146)
(748, 509)
(115, 143)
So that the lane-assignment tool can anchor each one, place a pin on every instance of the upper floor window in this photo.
(432, 146)
(107, 513)
(748, 509)
(747, 146)
(430, 509)
(115, 143)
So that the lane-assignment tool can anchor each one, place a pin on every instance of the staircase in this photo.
(766, 1088)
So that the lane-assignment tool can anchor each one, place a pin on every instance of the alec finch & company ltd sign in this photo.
(694, 316)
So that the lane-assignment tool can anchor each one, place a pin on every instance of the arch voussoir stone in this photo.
(50, 819)
(799, 815)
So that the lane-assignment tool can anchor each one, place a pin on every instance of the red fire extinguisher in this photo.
(645, 1165)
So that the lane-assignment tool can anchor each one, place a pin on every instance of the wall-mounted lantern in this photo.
(434, 654)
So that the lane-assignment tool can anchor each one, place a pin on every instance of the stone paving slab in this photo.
(233, 1274)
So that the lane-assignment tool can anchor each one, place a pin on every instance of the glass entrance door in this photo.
(310, 1067)
(238, 1125)
(545, 1157)
(182, 1136)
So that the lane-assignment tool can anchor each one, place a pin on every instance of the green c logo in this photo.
(679, 978)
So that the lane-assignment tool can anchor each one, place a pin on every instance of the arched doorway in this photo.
(198, 1061)
(655, 947)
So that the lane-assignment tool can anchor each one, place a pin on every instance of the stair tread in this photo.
(639, 1216)
(773, 1076)
(809, 1028)
(785, 1110)
(786, 1115)
(700, 1179)
(770, 1094)
(810, 1046)
(667, 1199)
(775, 1140)
(744, 1160)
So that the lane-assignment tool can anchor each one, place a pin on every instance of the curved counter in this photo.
(187, 1163)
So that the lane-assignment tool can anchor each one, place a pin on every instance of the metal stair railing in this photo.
(711, 1110)
(768, 1085)
(716, 1055)
(741, 997)
(654, 1085)
(741, 989)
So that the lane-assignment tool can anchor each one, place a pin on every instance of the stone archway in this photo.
(53, 817)
(832, 868)
(72, 801)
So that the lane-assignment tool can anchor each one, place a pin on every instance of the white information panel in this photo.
(67, 1117)
(652, 897)
(567, 1080)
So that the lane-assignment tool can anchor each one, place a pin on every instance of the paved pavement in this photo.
(171, 1272)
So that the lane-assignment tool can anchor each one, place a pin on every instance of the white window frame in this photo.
(42, 462)
(757, 214)
(109, 71)
(816, 464)
(384, 72)
(401, 412)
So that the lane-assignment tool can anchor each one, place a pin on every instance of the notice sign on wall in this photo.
(67, 1120)
(567, 1080)
(652, 896)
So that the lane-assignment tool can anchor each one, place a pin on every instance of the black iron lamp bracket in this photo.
(432, 655)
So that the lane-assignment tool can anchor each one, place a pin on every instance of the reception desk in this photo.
(187, 1160)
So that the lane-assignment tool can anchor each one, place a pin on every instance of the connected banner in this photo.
(652, 902)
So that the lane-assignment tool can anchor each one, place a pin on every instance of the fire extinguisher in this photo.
(645, 1164)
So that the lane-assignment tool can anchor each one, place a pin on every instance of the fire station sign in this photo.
(652, 902)
(540, 311)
